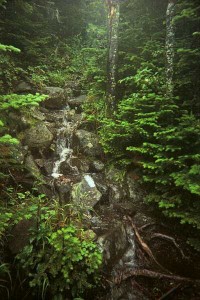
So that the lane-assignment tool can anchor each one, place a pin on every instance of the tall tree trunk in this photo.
(170, 40)
(113, 24)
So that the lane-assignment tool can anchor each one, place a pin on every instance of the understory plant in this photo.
(60, 257)
(160, 139)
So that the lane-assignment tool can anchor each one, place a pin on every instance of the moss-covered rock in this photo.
(38, 136)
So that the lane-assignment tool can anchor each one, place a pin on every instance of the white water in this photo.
(89, 181)
(63, 145)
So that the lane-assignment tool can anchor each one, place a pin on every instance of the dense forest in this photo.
(99, 149)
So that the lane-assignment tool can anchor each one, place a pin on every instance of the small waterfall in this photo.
(64, 145)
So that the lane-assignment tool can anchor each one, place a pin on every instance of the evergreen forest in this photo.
(99, 149)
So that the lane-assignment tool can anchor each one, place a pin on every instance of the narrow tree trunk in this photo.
(170, 41)
(113, 24)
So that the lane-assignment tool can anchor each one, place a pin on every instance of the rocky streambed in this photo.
(59, 149)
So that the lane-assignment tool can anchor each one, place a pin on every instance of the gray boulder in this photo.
(118, 190)
(23, 87)
(77, 101)
(20, 234)
(32, 167)
(85, 194)
(38, 136)
(135, 192)
(56, 99)
(11, 154)
(31, 116)
(114, 244)
(97, 166)
(63, 185)
(88, 143)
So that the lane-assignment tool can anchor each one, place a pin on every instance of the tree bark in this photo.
(113, 25)
(170, 41)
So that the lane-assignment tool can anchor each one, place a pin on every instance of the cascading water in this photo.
(64, 144)
(127, 263)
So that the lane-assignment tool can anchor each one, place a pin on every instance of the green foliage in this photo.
(18, 101)
(9, 48)
(187, 59)
(60, 256)
(9, 72)
(8, 139)
(153, 134)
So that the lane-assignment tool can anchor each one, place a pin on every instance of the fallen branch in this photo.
(145, 246)
(171, 291)
(171, 239)
(157, 275)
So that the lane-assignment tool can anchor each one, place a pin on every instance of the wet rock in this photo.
(117, 193)
(125, 208)
(54, 116)
(141, 219)
(52, 127)
(74, 165)
(68, 92)
(33, 113)
(20, 236)
(126, 291)
(77, 102)
(135, 192)
(11, 154)
(117, 185)
(74, 117)
(64, 186)
(40, 162)
(73, 86)
(25, 118)
(85, 193)
(56, 99)
(123, 187)
(114, 243)
(32, 167)
(47, 165)
(87, 142)
(128, 260)
(101, 184)
(23, 87)
(81, 164)
(70, 166)
(38, 136)
(97, 166)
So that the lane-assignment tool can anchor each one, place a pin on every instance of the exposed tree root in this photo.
(146, 226)
(170, 292)
(157, 275)
(171, 239)
(145, 247)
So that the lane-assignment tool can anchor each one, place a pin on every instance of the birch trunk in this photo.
(170, 41)
(113, 25)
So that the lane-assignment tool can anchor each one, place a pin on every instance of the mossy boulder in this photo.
(56, 97)
(85, 194)
(38, 136)
(88, 143)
